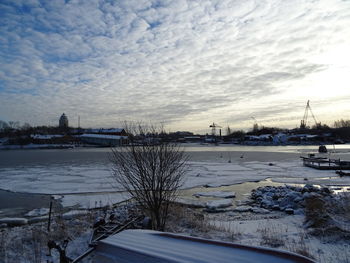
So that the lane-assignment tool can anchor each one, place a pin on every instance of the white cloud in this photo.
(187, 63)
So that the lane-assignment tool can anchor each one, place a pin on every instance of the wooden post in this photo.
(49, 223)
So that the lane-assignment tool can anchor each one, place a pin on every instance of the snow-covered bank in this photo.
(35, 146)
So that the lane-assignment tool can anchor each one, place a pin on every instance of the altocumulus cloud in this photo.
(186, 63)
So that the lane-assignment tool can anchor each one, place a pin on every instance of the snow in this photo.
(218, 194)
(191, 202)
(243, 208)
(215, 204)
(95, 200)
(89, 184)
(38, 212)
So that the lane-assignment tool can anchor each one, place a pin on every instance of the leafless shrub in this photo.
(328, 217)
(315, 211)
(150, 171)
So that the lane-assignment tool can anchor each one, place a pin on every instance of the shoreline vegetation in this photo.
(189, 144)
(319, 228)
(26, 136)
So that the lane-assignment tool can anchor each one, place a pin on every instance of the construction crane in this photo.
(303, 122)
(213, 129)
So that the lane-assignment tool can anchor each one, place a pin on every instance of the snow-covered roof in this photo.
(106, 130)
(103, 136)
(151, 246)
(45, 137)
(303, 136)
(265, 136)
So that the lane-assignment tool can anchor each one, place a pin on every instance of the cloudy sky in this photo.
(182, 63)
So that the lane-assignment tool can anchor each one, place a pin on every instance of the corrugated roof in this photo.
(103, 136)
(151, 246)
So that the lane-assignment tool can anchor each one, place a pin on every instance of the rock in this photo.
(259, 210)
(15, 221)
(310, 188)
(266, 203)
(243, 202)
(3, 225)
(218, 210)
(216, 204)
(299, 212)
(289, 211)
(218, 194)
(276, 207)
(326, 190)
(243, 208)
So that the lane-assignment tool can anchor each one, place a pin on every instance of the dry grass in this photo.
(299, 245)
(181, 218)
(272, 235)
(29, 243)
(229, 229)
(193, 222)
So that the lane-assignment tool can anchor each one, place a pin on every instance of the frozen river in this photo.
(83, 175)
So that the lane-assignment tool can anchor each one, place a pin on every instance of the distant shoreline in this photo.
(71, 146)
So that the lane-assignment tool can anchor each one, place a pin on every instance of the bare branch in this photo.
(151, 171)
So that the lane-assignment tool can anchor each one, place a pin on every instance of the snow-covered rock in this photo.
(218, 194)
(243, 208)
(289, 211)
(38, 212)
(259, 210)
(216, 204)
(287, 198)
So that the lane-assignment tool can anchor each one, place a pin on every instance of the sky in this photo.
(185, 64)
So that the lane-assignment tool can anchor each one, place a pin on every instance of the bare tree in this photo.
(151, 171)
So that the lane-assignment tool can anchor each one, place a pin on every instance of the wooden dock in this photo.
(322, 163)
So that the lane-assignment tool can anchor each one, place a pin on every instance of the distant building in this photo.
(111, 131)
(63, 123)
(104, 139)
